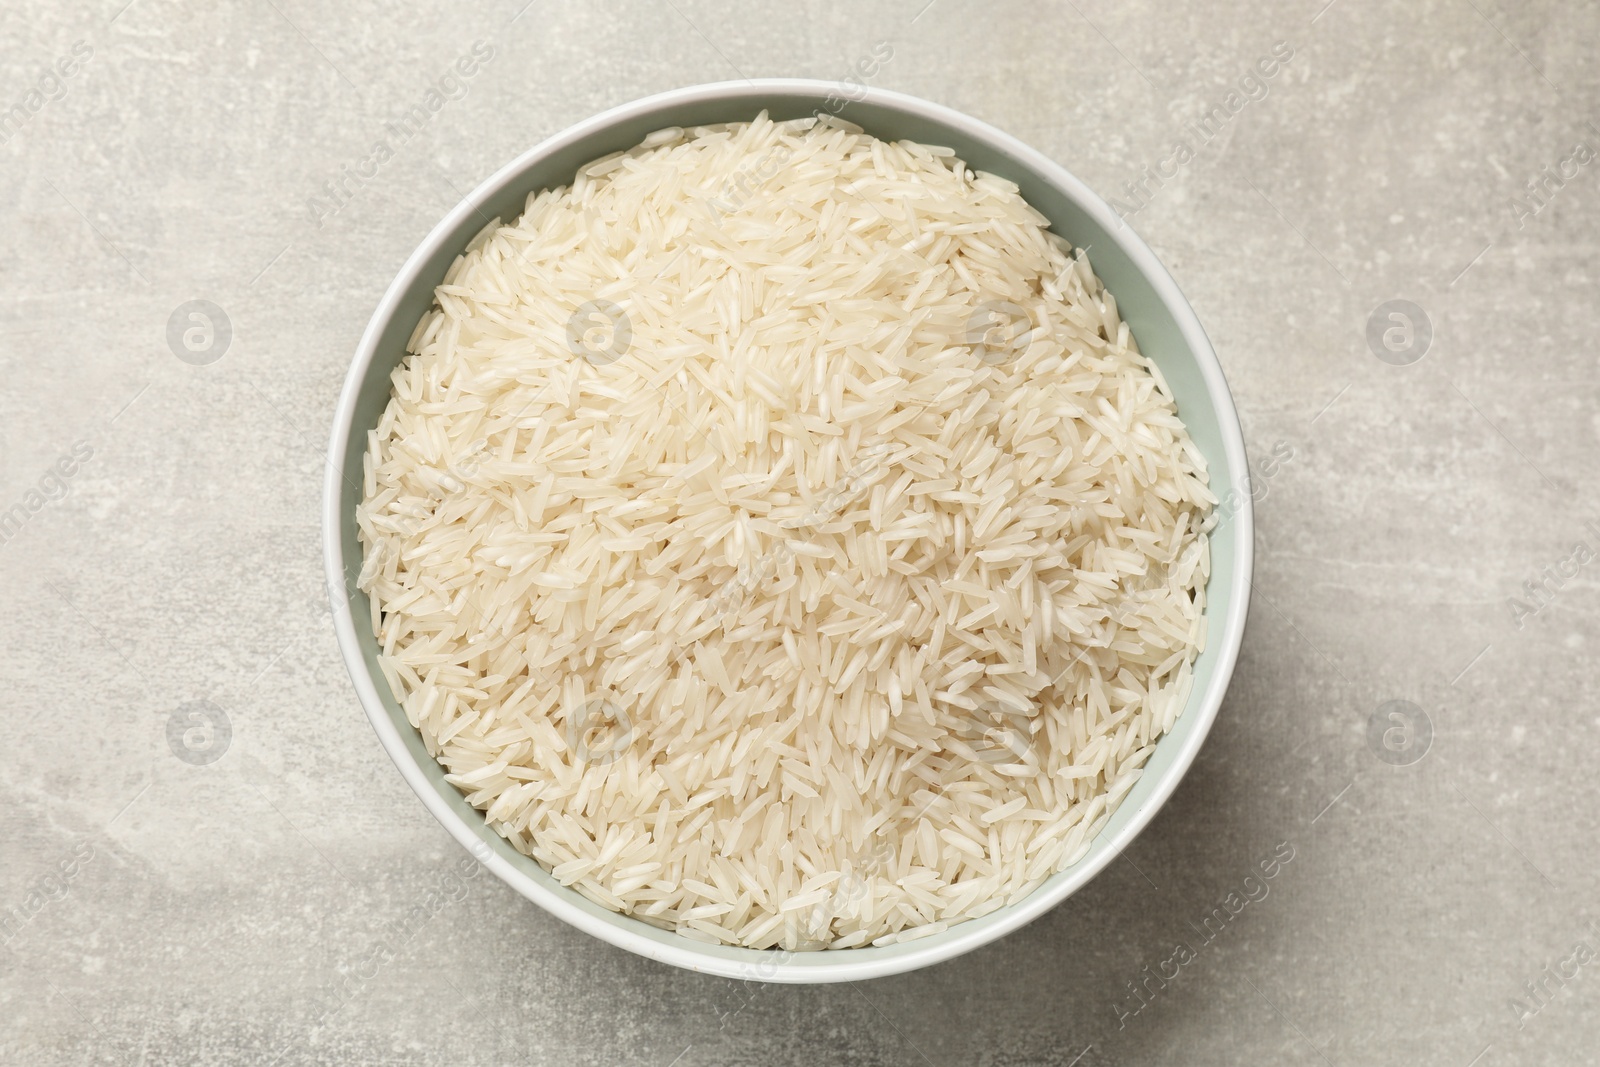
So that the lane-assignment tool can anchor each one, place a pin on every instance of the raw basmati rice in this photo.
(779, 536)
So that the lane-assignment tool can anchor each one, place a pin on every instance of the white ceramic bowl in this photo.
(1162, 322)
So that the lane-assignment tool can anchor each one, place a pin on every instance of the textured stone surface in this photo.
(259, 908)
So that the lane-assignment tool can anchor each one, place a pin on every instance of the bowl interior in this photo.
(1161, 322)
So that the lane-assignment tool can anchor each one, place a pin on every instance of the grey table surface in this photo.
(277, 894)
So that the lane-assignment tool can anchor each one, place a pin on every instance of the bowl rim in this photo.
(838, 966)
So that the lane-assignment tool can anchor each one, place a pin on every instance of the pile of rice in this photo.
(779, 536)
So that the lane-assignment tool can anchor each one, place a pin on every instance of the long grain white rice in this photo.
(779, 535)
